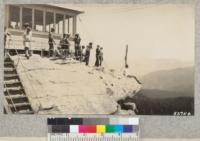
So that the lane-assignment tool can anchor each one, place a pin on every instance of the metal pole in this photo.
(126, 55)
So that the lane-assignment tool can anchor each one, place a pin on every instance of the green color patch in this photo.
(110, 128)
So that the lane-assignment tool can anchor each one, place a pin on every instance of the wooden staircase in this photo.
(16, 101)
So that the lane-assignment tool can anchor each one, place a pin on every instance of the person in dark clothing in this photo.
(62, 45)
(51, 42)
(97, 56)
(82, 54)
(66, 47)
(77, 41)
(64, 42)
(101, 56)
(87, 54)
(27, 42)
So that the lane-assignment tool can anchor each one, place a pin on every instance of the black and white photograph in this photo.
(99, 59)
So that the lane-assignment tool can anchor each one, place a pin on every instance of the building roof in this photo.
(61, 6)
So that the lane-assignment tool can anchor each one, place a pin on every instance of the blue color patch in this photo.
(119, 128)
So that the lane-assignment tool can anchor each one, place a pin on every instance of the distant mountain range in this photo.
(165, 92)
(162, 106)
(177, 82)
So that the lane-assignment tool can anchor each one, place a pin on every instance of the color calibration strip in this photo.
(93, 129)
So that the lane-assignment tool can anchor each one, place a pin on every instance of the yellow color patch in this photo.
(101, 128)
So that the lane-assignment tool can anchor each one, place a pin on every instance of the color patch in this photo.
(110, 128)
(87, 129)
(65, 121)
(118, 128)
(128, 129)
(60, 129)
(133, 121)
(101, 128)
(51, 121)
(74, 129)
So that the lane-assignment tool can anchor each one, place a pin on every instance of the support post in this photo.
(64, 24)
(7, 15)
(68, 25)
(54, 20)
(33, 18)
(74, 25)
(44, 21)
(20, 18)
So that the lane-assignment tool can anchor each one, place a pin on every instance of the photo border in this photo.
(151, 126)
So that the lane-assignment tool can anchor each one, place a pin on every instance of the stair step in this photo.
(17, 100)
(20, 107)
(24, 112)
(10, 72)
(13, 92)
(11, 76)
(19, 104)
(9, 69)
(11, 81)
(8, 64)
(15, 96)
(7, 60)
(13, 89)
(13, 84)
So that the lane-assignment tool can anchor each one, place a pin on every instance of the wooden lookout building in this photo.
(41, 18)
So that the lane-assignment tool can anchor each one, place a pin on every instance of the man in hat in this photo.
(77, 41)
(97, 56)
(51, 42)
(87, 54)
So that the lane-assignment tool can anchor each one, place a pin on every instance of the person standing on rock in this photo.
(6, 34)
(67, 43)
(87, 54)
(27, 41)
(51, 42)
(82, 54)
(101, 56)
(97, 56)
(77, 41)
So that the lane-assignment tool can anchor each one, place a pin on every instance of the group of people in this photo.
(81, 53)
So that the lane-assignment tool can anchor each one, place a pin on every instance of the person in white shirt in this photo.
(27, 41)
(6, 34)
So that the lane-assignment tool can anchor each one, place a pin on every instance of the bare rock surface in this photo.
(56, 86)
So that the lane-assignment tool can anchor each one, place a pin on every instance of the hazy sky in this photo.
(151, 31)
